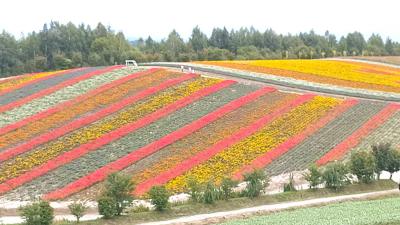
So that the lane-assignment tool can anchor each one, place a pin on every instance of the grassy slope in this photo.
(187, 209)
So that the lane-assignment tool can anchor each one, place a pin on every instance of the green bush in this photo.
(313, 176)
(227, 185)
(362, 164)
(159, 197)
(77, 209)
(289, 186)
(335, 175)
(210, 193)
(38, 213)
(107, 207)
(257, 181)
(118, 190)
(194, 189)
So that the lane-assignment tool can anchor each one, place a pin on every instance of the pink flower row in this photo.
(65, 105)
(83, 121)
(55, 88)
(220, 146)
(149, 149)
(341, 149)
(286, 146)
(109, 137)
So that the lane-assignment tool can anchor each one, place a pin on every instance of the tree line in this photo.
(62, 46)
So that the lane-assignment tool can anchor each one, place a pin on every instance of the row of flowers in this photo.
(340, 128)
(134, 156)
(83, 104)
(341, 149)
(286, 146)
(348, 74)
(17, 82)
(224, 127)
(94, 131)
(54, 95)
(203, 155)
(117, 137)
(224, 162)
(83, 121)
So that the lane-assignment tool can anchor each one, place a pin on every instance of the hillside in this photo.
(63, 132)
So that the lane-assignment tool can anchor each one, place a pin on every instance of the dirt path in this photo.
(246, 212)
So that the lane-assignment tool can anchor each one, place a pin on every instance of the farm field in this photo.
(339, 73)
(395, 60)
(62, 133)
(359, 212)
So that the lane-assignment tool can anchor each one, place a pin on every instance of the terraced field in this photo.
(62, 133)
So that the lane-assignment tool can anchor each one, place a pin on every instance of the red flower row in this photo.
(112, 136)
(55, 88)
(139, 154)
(220, 146)
(269, 156)
(78, 99)
(83, 121)
(8, 90)
(341, 149)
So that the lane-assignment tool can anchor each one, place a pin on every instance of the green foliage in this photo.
(38, 213)
(77, 209)
(289, 186)
(386, 158)
(211, 193)
(118, 191)
(313, 176)
(335, 175)
(257, 181)
(227, 185)
(159, 197)
(194, 189)
(107, 207)
(362, 164)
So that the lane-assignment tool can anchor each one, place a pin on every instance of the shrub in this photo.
(289, 186)
(335, 175)
(362, 164)
(257, 181)
(227, 185)
(77, 209)
(38, 213)
(107, 207)
(381, 155)
(194, 189)
(159, 197)
(210, 193)
(313, 176)
(118, 191)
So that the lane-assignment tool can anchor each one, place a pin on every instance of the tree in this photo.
(118, 190)
(290, 186)
(256, 181)
(227, 185)
(210, 193)
(77, 209)
(381, 154)
(37, 213)
(355, 43)
(362, 164)
(313, 176)
(335, 175)
(375, 45)
(159, 197)
(393, 163)
(198, 40)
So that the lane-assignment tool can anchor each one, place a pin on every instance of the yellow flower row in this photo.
(225, 163)
(23, 163)
(348, 74)
(13, 82)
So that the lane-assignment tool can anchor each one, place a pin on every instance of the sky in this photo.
(158, 17)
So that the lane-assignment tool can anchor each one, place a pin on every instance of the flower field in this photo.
(339, 73)
(63, 132)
